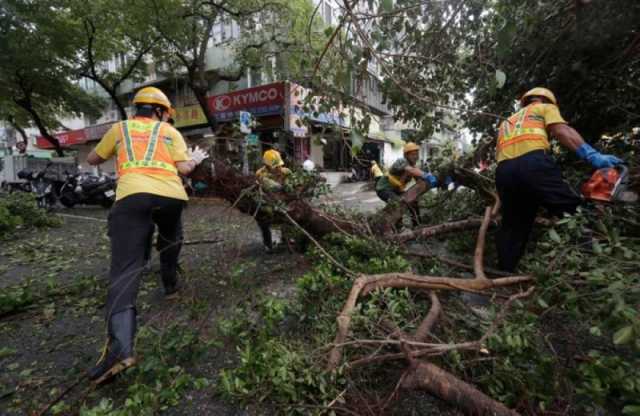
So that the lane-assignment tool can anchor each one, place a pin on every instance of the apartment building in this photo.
(274, 103)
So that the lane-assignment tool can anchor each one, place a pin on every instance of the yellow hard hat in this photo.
(272, 158)
(152, 95)
(539, 92)
(410, 147)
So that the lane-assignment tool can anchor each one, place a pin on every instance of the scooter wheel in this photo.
(67, 201)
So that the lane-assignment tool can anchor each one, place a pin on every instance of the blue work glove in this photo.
(430, 179)
(597, 159)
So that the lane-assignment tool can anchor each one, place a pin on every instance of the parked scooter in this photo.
(85, 188)
(45, 189)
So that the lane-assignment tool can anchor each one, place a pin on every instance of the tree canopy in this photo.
(473, 59)
(36, 66)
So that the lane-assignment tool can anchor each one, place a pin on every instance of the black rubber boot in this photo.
(169, 280)
(267, 239)
(119, 355)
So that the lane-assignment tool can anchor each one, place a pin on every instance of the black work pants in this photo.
(265, 230)
(524, 184)
(131, 222)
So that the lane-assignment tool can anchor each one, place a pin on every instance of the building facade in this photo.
(275, 105)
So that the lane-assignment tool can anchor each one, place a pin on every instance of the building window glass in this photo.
(328, 13)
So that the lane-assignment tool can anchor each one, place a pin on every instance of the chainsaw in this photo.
(609, 185)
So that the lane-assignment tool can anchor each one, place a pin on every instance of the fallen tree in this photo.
(245, 194)
(416, 348)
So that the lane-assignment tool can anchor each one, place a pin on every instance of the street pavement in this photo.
(359, 196)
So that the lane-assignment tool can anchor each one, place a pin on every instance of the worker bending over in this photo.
(391, 186)
(528, 177)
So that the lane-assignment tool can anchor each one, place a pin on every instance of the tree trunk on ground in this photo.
(229, 184)
(434, 380)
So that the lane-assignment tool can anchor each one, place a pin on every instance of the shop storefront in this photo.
(280, 119)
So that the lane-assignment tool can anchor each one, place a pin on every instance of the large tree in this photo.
(36, 73)
(186, 28)
(117, 32)
(587, 52)
(470, 60)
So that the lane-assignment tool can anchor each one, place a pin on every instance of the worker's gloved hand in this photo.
(198, 155)
(430, 179)
(597, 159)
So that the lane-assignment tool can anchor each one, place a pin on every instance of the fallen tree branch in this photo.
(434, 380)
(413, 281)
(429, 321)
(60, 396)
(194, 242)
(478, 256)
(365, 284)
(434, 230)
(325, 252)
(428, 377)
(456, 263)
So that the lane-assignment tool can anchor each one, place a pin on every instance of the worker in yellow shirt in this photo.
(390, 187)
(150, 153)
(528, 177)
(271, 178)
(376, 171)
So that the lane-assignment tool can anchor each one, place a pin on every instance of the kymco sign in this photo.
(262, 100)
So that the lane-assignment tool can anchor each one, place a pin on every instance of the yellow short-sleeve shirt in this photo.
(536, 118)
(550, 112)
(136, 183)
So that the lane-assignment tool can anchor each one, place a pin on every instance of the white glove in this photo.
(198, 155)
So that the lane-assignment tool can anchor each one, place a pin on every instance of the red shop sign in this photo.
(262, 96)
(66, 138)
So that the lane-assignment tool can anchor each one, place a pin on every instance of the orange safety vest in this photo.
(140, 149)
(521, 133)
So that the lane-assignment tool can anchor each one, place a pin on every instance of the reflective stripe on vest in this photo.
(522, 127)
(508, 135)
(148, 161)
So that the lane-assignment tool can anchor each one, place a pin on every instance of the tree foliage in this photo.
(450, 60)
(265, 27)
(108, 31)
(36, 65)
(587, 52)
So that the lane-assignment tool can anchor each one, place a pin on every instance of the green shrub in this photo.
(20, 209)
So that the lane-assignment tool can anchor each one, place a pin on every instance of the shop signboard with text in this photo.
(191, 115)
(297, 115)
(265, 100)
(66, 138)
